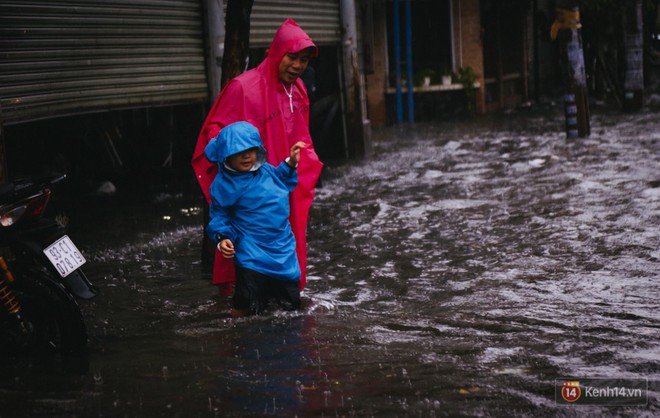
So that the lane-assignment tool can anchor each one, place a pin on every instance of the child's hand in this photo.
(226, 247)
(295, 153)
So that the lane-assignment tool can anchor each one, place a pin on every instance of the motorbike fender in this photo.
(78, 284)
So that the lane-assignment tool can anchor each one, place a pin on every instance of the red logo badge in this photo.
(571, 391)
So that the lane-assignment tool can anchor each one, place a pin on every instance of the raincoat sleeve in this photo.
(220, 224)
(288, 176)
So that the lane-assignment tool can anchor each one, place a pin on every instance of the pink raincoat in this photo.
(257, 96)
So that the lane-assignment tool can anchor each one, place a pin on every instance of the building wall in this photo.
(468, 43)
(377, 79)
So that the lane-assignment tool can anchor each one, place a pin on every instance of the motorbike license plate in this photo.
(65, 256)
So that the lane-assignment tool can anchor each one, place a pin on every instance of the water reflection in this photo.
(269, 367)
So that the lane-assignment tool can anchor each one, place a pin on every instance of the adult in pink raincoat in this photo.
(274, 99)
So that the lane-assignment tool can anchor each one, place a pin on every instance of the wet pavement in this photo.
(463, 270)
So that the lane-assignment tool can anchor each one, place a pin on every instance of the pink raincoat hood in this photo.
(289, 38)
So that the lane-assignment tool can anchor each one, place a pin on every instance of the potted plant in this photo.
(467, 77)
(447, 75)
(424, 77)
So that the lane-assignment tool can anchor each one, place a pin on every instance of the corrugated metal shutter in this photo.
(77, 56)
(319, 18)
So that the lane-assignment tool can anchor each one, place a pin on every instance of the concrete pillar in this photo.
(377, 80)
(358, 126)
(633, 83)
(468, 47)
(215, 22)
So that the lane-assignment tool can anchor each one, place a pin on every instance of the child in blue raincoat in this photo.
(249, 215)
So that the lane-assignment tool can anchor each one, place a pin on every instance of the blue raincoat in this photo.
(252, 208)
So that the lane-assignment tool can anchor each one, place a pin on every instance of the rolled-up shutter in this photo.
(77, 56)
(319, 18)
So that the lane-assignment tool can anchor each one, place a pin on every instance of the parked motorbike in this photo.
(40, 274)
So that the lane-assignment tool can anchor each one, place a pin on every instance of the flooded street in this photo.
(459, 271)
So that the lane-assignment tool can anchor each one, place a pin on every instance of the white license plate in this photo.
(65, 256)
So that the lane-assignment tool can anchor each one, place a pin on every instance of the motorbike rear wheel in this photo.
(51, 320)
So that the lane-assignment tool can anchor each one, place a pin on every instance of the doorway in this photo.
(505, 53)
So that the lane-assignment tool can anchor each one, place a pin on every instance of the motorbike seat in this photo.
(6, 190)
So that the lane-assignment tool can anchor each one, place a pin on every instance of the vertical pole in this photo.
(409, 62)
(633, 83)
(537, 51)
(498, 48)
(452, 34)
(216, 34)
(397, 63)
(566, 30)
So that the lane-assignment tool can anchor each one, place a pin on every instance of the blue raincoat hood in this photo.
(233, 139)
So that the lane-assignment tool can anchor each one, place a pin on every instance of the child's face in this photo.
(243, 161)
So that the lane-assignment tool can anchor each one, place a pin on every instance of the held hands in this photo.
(295, 153)
(226, 247)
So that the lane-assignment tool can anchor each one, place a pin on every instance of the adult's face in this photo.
(293, 64)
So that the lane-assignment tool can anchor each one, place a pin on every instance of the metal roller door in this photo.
(319, 18)
(78, 56)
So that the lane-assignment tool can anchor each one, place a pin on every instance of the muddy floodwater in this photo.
(462, 270)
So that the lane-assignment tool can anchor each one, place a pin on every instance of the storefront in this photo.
(113, 79)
